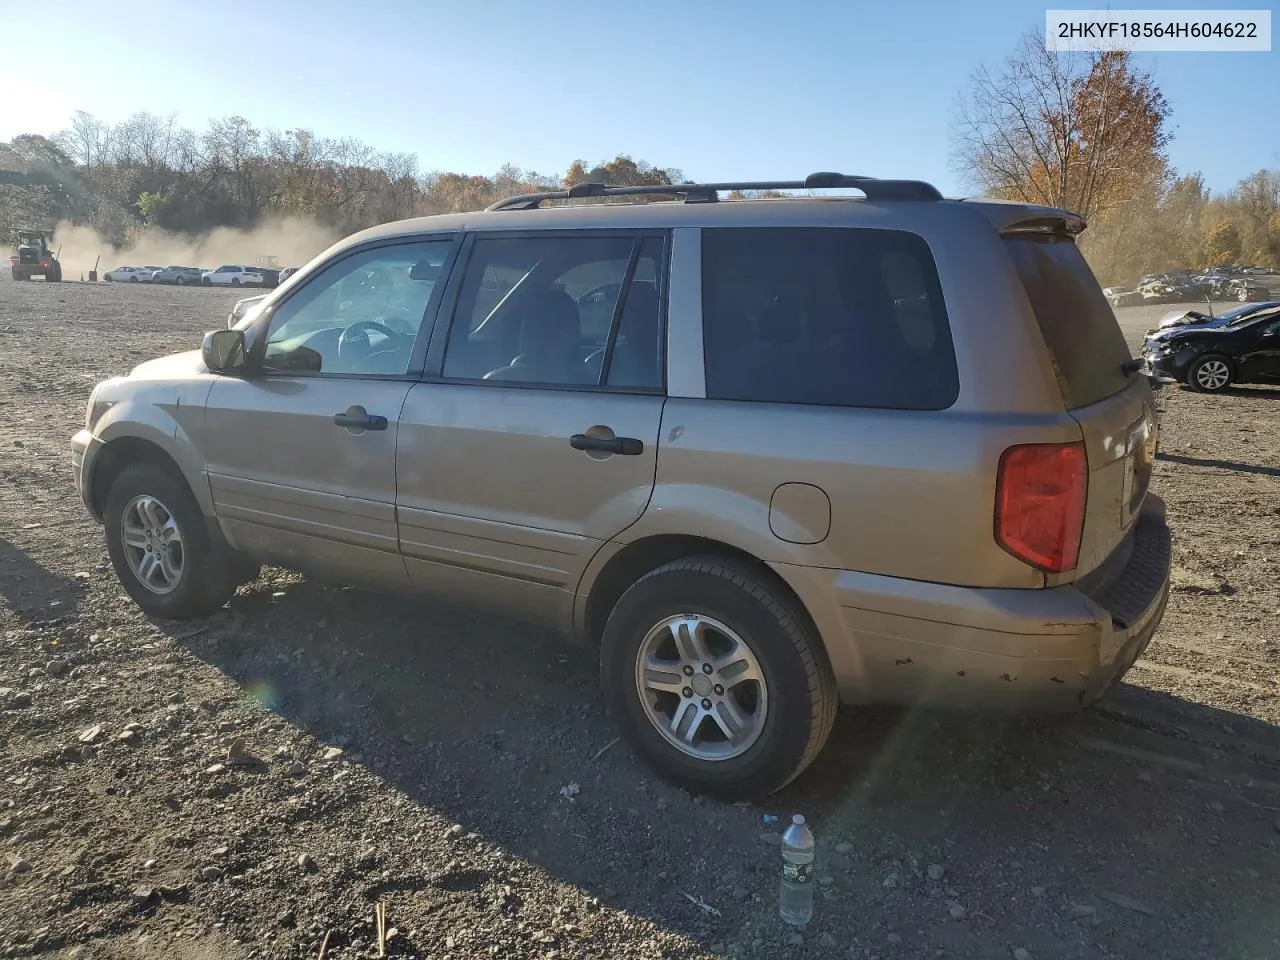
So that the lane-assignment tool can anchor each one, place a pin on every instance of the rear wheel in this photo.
(205, 281)
(715, 681)
(1211, 374)
(235, 281)
(178, 281)
(1244, 296)
(133, 279)
(160, 548)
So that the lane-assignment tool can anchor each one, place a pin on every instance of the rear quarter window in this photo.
(1085, 343)
(839, 316)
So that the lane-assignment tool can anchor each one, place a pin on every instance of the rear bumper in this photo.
(903, 641)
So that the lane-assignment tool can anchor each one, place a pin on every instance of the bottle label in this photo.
(796, 872)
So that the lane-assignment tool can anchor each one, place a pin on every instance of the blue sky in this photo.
(741, 90)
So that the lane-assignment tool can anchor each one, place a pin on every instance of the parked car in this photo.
(1159, 292)
(178, 275)
(287, 272)
(234, 275)
(1242, 346)
(1122, 296)
(1246, 289)
(129, 275)
(242, 307)
(659, 480)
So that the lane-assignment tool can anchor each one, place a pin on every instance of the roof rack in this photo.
(875, 189)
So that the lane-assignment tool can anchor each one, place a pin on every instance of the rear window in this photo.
(835, 316)
(1085, 343)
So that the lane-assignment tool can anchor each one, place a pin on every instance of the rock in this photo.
(1144, 777)
(86, 752)
(740, 893)
(957, 910)
(148, 864)
(795, 940)
(1020, 954)
(717, 946)
(296, 769)
(286, 918)
(144, 894)
(894, 938)
(92, 734)
(890, 882)
(1038, 891)
(237, 749)
(1122, 900)
(771, 837)
(332, 753)
(936, 871)
(56, 668)
(221, 851)
(844, 848)
(21, 699)
(1216, 806)
(215, 768)
(454, 832)
(210, 873)
(828, 942)
(125, 736)
(826, 881)
(19, 865)
(1079, 910)
(305, 862)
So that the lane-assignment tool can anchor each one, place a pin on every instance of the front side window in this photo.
(835, 316)
(359, 316)
(559, 311)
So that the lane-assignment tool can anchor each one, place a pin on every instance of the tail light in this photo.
(1040, 500)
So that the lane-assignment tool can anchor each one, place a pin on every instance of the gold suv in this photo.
(767, 455)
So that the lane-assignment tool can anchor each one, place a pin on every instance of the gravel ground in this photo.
(240, 786)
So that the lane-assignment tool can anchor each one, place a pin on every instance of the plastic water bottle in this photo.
(795, 896)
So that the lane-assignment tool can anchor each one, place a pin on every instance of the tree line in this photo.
(1086, 131)
(149, 172)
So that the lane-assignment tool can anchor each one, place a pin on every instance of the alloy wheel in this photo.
(152, 544)
(1212, 375)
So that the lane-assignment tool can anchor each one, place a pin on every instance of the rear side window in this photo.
(1088, 350)
(835, 316)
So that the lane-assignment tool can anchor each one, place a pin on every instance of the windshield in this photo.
(1252, 311)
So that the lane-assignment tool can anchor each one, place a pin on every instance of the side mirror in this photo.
(224, 351)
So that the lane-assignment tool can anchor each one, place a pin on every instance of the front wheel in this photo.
(1210, 374)
(133, 279)
(160, 548)
(205, 281)
(1244, 296)
(715, 681)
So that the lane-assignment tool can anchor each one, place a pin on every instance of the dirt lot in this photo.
(1149, 827)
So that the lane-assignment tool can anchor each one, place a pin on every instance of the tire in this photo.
(796, 711)
(133, 279)
(235, 281)
(204, 582)
(206, 282)
(109, 279)
(1210, 374)
(1244, 296)
(178, 281)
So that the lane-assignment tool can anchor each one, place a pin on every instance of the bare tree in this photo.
(1083, 131)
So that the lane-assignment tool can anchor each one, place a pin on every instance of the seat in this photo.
(636, 359)
(550, 343)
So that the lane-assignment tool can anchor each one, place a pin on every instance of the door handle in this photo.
(357, 419)
(627, 446)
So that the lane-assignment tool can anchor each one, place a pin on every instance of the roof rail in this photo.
(875, 189)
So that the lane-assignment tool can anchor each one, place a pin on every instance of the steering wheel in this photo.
(354, 344)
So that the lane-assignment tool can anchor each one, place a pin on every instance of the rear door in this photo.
(534, 439)
(1114, 408)
(301, 453)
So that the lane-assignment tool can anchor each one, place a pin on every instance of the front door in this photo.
(301, 452)
(1260, 359)
(536, 439)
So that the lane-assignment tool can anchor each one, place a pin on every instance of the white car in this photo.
(130, 274)
(234, 275)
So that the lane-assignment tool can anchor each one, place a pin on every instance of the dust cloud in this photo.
(291, 242)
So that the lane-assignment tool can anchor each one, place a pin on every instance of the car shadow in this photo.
(33, 592)
(488, 723)
(1233, 465)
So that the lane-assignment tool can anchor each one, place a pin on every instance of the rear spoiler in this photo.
(1059, 223)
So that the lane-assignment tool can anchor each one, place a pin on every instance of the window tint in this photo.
(1084, 340)
(836, 316)
(542, 309)
(359, 316)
